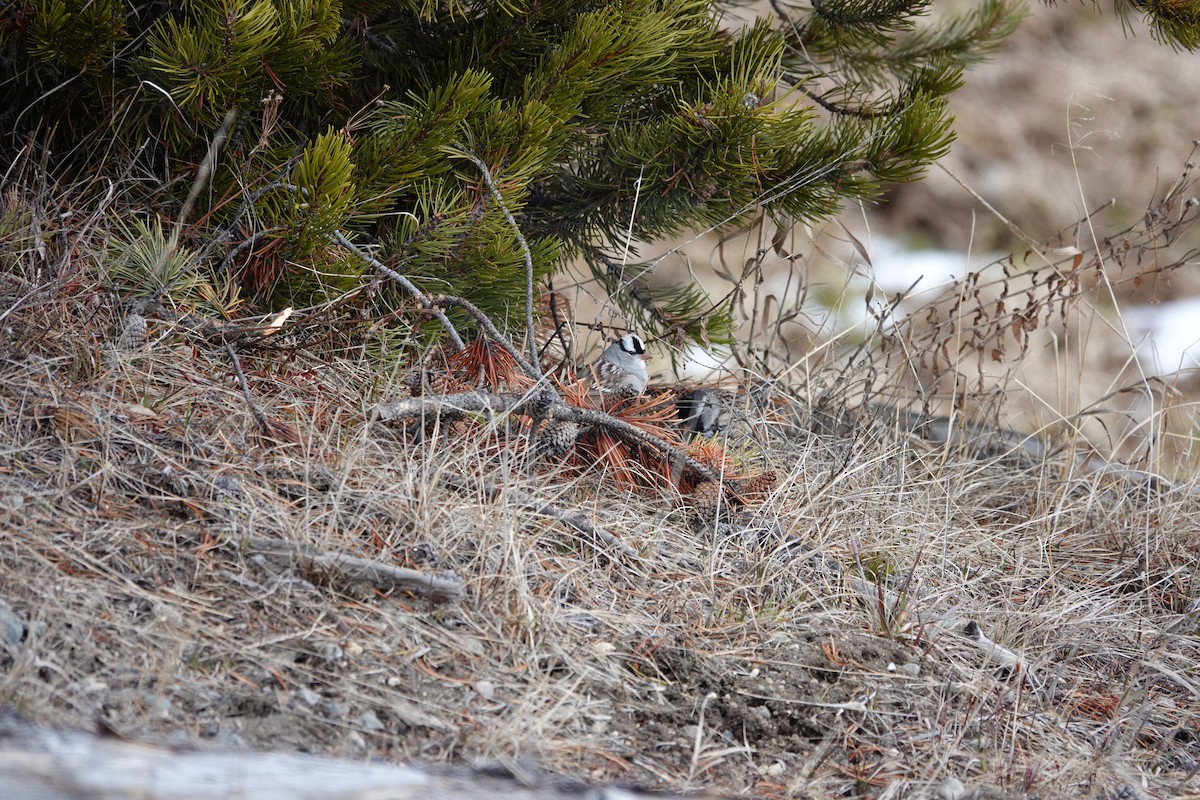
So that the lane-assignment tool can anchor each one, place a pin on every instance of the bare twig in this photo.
(443, 588)
(487, 178)
(404, 282)
(263, 425)
(490, 329)
(245, 245)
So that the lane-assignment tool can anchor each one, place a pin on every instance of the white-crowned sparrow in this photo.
(621, 368)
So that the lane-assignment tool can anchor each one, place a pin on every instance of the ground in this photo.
(812, 645)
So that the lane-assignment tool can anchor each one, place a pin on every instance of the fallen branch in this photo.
(433, 406)
(63, 765)
(443, 588)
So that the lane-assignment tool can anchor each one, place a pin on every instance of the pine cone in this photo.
(557, 438)
(539, 403)
(420, 382)
(756, 489)
(706, 500)
(459, 429)
(133, 333)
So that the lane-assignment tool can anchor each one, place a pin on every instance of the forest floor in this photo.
(890, 616)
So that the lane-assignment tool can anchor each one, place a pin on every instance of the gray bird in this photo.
(621, 368)
(701, 412)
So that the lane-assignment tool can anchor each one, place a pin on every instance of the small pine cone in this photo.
(706, 499)
(624, 392)
(458, 429)
(756, 489)
(557, 438)
(133, 333)
(538, 404)
(419, 382)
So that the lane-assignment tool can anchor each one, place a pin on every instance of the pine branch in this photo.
(433, 406)
(487, 177)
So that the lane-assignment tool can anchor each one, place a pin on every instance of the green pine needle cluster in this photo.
(603, 125)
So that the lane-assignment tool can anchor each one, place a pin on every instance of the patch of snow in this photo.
(1166, 335)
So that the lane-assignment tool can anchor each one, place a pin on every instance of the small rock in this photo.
(912, 669)
(355, 740)
(370, 721)
(354, 649)
(951, 789)
(310, 697)
(763, 712)
(485, 689)
(157, 705)
(12, 627)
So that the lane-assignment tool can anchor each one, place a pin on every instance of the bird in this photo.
(700, 412)
(621, 368)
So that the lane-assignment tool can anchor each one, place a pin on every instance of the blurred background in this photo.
(1084, 117)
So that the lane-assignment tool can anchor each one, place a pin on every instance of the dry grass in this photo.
(810, 646)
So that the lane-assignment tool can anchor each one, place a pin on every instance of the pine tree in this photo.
(599, 122)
